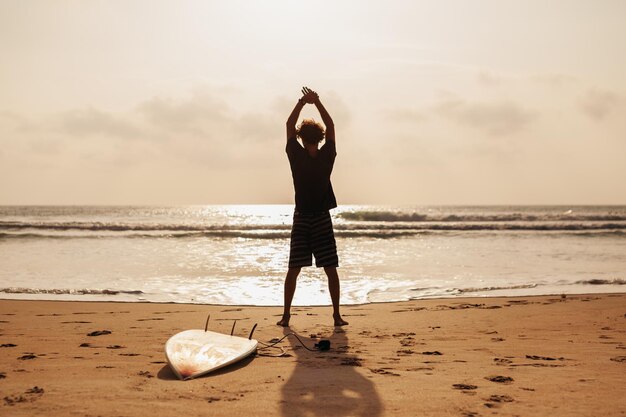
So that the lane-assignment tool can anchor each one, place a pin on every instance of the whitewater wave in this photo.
(469, 290)
(215, 234)
(130, 227)
(63, 291)
(601, 230)
(396, 216)
(495, 288)
(616, 281)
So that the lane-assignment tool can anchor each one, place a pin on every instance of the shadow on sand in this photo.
(327, 383)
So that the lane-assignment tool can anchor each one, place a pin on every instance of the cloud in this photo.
(90, 122)
(598, 104)
(405, 115)
(495, 118)
(488, 79)
(196, 114)
(554, 79)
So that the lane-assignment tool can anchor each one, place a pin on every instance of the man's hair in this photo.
(310, 131)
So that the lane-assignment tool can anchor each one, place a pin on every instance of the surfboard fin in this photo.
(252, 331)
(206, 325)
(233, 329)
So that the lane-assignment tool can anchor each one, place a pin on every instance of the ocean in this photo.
(237, 254)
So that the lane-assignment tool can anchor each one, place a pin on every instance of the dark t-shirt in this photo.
(311, 176)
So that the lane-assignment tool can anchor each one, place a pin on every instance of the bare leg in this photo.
(333, 287)
(290, 289)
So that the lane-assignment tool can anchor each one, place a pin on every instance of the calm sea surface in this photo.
(238, 254)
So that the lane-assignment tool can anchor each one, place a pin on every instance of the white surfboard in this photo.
(194, 353)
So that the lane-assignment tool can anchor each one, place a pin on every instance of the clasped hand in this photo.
(309, 96)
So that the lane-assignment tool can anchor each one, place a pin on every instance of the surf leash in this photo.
(323, 345)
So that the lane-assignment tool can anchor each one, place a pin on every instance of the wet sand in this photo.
(528, 356)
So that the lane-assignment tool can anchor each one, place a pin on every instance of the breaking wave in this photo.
(57, 291)
(487, 289)
(9, 230)
(616, 281)
(215, 234)
(396, 216)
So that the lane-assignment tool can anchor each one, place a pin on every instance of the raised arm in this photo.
(293, 118)
(328, 121)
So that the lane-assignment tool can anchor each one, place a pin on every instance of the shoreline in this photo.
(425, 298)
(420, 357)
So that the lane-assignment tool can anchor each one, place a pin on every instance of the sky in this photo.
(434, 102)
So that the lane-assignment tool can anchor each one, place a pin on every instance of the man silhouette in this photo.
(312, 230)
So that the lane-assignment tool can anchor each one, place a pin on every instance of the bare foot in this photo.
(284, 321)
(339, 321)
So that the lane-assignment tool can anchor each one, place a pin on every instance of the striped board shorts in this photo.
(312, 234)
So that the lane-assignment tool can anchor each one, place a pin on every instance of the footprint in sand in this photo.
(500, 399)
(464, 387)
(14, 399)
(31, 394)
(99, 333)
(494, 401)
(384, 371)
(3, 375)
(27, 357)
(407, 341)
(500, 379)
(619, 359)
(543, 358)
(351, 362)
(7, 345)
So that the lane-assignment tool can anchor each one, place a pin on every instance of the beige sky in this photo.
(435, 102)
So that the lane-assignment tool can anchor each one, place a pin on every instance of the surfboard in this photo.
(193, 353)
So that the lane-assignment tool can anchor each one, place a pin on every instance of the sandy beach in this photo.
(544, 355)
